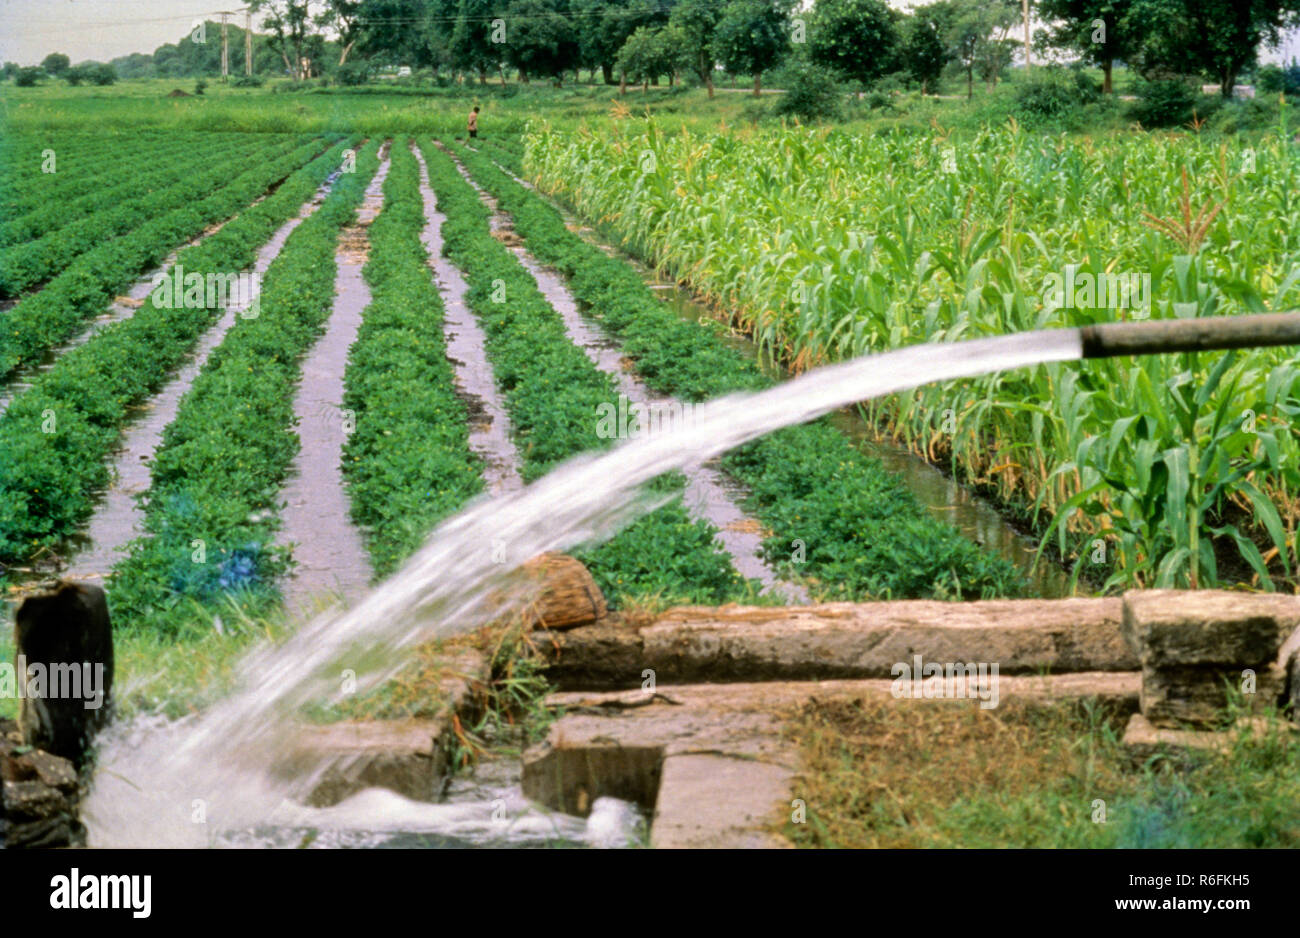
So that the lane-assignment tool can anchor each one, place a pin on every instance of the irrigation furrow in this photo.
(26, 266)
(121, 516)
(489, 435)
(556, 396)
(53, 315)
(330, 556)
(835, 516)
(710, 495)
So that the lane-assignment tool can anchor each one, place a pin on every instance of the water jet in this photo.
(456, 581)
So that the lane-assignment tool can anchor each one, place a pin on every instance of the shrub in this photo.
(247, 81)
(1250, 114)
(27, 77)
(353, 73)
(880, 101)
(1272, 79)
(1055, 95)
(811, 93)
(200, 86)
(1164, 104)
(103, 74)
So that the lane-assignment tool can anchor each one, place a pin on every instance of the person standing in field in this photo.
(473, 122)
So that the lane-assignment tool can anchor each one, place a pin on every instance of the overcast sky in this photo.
(105, 29)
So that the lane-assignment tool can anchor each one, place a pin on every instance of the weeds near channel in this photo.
(887, 773)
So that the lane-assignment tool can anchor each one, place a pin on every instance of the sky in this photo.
(105, 29)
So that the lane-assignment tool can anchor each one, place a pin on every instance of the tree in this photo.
(97, 73)
(811, 92)
(440, 19)
(651, 52)
(752, 36)
(472, 45)
(395, 32)
(103, 74)
(135, 65)
(855, 39)
(56, 64)
(922, 49)
(698, 20)
(292, 25)
(1098, 30)
(604, 26)
(9, 71)
(343, 16)
(677, 55)
(1217, 38)
(598, 44)
(977, 37)
(540, 39)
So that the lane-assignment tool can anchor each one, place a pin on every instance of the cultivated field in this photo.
(174, 289)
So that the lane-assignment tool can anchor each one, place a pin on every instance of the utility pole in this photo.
(225, 47)
(248, 41)
(1024, 8)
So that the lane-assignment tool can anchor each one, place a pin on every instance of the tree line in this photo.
(646, 41)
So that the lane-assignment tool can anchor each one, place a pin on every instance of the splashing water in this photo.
(155, 779)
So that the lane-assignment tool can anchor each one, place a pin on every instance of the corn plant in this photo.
(824, 245)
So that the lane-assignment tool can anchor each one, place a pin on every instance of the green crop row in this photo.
(508, 151)
(211, 510)
(81, 163)
(407, 462)
(163, 189)
(1171, 471)
(59, 209)
(862, 533)
(53, 315)
(56, 437)
(552, 392)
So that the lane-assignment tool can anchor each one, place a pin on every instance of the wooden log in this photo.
(568, 596)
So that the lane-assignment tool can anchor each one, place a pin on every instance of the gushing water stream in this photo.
(152, 779)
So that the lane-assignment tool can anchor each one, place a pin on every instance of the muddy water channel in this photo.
(489, 425)
(941, 495)
(330, 557)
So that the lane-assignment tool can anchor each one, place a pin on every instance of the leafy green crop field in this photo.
(78, 231)
(822, 244)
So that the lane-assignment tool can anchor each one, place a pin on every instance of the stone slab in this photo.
(1207, 627)
(409, 757)
(719, 802)
(841, 641)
